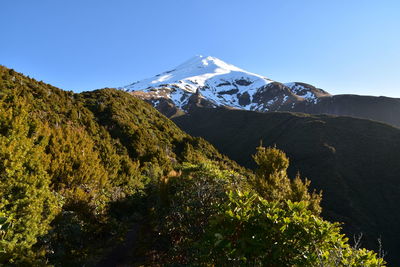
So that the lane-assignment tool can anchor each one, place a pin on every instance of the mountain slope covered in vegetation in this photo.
(80, 164)
(79, 171)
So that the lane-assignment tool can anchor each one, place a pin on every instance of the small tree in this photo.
(273, 184)
(271, 179)
(299, 192)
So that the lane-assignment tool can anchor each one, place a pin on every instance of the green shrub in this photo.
(25, 195)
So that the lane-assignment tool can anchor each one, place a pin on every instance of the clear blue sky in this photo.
(345, 46)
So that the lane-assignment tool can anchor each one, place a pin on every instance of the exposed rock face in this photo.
(243, 82)
(306, 90)
(244, 99)
(272, 96)
(229, 92)
(197, 101)
(165, 106)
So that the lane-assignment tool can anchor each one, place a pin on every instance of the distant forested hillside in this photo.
(355, 162)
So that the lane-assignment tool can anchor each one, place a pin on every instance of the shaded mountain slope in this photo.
(384, 109)
(355, 162)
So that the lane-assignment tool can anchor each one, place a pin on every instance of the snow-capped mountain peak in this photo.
(196, 72)
(220, 84)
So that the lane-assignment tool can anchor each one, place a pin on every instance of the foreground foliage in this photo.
(217, 217)
(252, 231)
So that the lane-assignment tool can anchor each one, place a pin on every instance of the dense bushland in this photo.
(79, 170)
(65, 163)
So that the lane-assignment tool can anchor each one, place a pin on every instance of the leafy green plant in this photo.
(250, 230)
